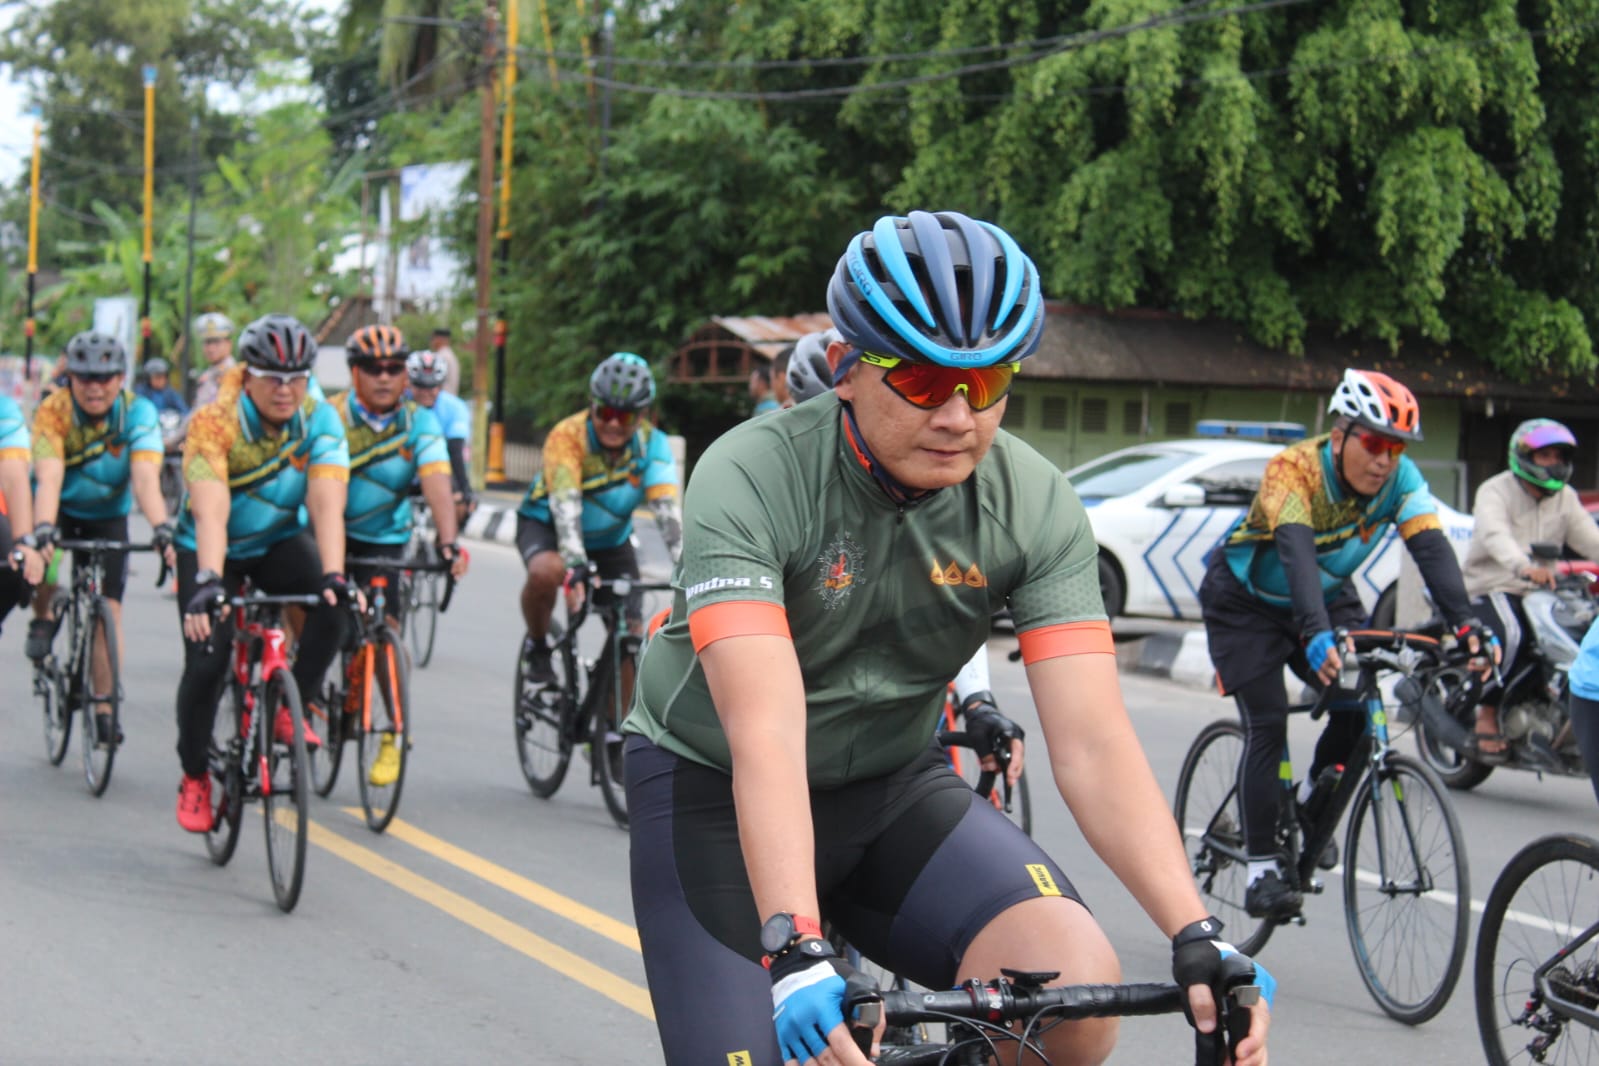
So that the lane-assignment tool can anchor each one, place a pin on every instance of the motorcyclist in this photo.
(1529, 503)
(154, 385)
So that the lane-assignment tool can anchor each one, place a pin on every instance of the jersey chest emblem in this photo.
(838, 570)
(952, 574)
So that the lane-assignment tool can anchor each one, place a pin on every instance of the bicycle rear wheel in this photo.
(1407, 894)
(542, 715)
(1546, 898)
(330, 721)
(226, 758)
(285, 798)
(51, 685)
(385, 747)
(99, 743)
(424, 616)
(1211, 817)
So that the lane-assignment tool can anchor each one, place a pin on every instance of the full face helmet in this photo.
(1536, 435)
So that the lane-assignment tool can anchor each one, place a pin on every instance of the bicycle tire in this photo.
(1549, 892)
(390, 703)
(51, 685)
(966, 763)
(605, 737)
(285, 797)
(98, 758)
(1210, 817)
(423, 620)
(543, 717)
(228, 743)
(332, 724)
(1453, 768)
(1415, 821)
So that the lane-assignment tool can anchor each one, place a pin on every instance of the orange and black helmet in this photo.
(375, 342)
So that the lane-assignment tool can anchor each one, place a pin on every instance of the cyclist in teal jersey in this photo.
(21, 565)
(257, 464)
(428, 371)
(599, 466)
(1279, 586)
(841, 559)
(96, 447)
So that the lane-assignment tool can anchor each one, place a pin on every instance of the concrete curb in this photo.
(1180, 657)
(493, 521)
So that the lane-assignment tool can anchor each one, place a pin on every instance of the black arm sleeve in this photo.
(458, 475)
(1441, 571)
(1296, 547)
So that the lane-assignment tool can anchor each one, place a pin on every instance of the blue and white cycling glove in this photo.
(808, 985)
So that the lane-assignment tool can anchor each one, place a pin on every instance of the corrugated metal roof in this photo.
(770, 335)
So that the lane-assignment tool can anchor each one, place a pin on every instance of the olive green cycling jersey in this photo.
(884, 602)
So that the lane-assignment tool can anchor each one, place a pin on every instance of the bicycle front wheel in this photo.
(385, 745)
(424, 619)
(542, 715)
(228, 740)
(285, 797)
(605, 738)
(1544, 901)
(330, 722)
(1211, 818)
(102, 704)
(1407, 895)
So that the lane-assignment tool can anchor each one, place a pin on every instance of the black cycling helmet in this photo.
(96, 353)
(374, 342)
(1536, 435)
(938, 288)
(153, 366)
(809, 374)
(623, 380)
(277, 342)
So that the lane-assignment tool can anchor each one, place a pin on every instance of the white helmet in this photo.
(213, 325)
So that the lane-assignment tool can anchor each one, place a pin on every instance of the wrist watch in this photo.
(783, 930)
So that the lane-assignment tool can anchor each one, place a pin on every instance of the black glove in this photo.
(449, 553)
(1474, 627)
(580, 574)
(44, 535)
(1198, 957)
(991, 732)
(161, 536)
(207, 595)
(339, 585)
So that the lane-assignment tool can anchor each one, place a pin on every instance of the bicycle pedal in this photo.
(1316, 886)
(1297, 918)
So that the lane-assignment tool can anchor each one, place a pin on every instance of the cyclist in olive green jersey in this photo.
(840, 560)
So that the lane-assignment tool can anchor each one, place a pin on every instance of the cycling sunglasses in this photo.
(1376, 443)
(929, 386)
(94, 379)
(388, 368)
(283, 378)
(604, 412)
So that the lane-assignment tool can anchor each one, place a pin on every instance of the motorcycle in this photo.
(1534, 715)
(173, 430)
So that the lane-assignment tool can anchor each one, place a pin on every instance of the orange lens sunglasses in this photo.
(929, 386)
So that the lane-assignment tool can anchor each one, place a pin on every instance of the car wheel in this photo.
(1112, 588)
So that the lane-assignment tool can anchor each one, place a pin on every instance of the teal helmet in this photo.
(1533, 436)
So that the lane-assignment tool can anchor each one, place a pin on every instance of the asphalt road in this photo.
(487, 925)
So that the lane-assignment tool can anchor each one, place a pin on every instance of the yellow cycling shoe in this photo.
(386, 767)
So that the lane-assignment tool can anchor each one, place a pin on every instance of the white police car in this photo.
(1157, 509)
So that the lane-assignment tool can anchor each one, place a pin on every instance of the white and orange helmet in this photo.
(1377, 402)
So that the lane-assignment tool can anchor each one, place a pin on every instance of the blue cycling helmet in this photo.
(623, 380)
(938, 288)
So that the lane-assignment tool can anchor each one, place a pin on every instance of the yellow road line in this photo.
(513, 936)
(514, 883)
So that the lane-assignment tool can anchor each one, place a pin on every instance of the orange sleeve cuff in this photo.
(147, 457)
(429, 469)
(737, 618)
(24, 454)
(659, 492)
(329, 470)
(1069, 638)
(1416, 525)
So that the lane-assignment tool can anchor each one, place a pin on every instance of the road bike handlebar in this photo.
(416, 566)
(993, 1005)
(985, 779)
(97, 546)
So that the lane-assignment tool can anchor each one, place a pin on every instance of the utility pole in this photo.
(495, 473)
(188, 270)
(149, 207)
(485, 248)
